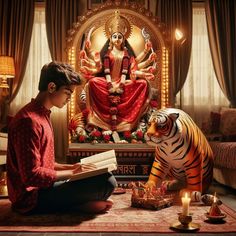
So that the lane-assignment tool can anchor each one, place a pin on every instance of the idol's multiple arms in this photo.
(90, 63)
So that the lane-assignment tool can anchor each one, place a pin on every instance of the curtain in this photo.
(201, 92)
(16, 23)
(60, 16)
(39, 55)
(177, 14)
(221, 18)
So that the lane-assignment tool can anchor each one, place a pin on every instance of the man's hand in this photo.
(66, 171)
(80, 168)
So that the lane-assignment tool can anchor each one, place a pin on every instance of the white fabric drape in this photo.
(201, 92)
(38, 56)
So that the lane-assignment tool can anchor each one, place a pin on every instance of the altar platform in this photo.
(134, 160)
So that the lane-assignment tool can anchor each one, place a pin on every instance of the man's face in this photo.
(61, 97)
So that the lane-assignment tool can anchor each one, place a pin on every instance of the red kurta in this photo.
(30, 156)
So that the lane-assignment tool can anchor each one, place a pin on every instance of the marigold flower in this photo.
(139, 134)
(106, 137)
(81, 138)
(115, 100)
(96, 133)
(113, 110)
(127, 134)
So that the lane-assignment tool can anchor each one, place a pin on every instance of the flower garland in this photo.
(115, 93)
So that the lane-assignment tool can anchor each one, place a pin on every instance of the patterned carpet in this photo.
(122, 218)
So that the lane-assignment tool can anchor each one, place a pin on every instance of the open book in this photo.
(104, 162)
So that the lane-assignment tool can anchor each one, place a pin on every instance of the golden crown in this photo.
(117, 23)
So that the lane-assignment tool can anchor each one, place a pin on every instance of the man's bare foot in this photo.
(97, 207)
(109, 204)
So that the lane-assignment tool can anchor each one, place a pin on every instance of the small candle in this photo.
(185, 204)
(215, 210)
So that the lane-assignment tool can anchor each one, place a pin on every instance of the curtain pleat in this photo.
(221, 18)
(60, 16)
(177, 14)
(16, 23)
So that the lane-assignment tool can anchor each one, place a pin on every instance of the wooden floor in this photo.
(227, 195)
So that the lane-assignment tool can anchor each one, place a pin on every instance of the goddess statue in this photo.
(117, 92)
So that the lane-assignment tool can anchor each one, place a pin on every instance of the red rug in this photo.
(122, 218)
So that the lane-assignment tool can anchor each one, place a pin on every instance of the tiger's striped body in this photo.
(182, 151)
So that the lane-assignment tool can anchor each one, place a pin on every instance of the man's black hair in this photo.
(61, 74)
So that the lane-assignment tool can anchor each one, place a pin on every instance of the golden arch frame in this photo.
(140, 18)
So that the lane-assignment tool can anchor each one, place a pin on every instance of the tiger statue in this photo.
(182, 152)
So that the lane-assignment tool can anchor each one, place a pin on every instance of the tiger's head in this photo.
(162, 125)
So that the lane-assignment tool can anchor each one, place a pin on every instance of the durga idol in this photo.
(117, 91)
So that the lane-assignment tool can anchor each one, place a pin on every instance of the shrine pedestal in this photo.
(134, 160)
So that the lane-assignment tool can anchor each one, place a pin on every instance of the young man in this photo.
(36, 183)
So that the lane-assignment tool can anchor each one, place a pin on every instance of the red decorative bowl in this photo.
(215, 218)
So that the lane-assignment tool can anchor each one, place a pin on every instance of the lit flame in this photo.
(186, 195)
(214, 199)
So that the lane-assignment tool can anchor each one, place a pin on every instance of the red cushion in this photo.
(215, 122)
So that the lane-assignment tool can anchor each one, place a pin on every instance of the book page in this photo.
(104, 162)
(108, 155)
